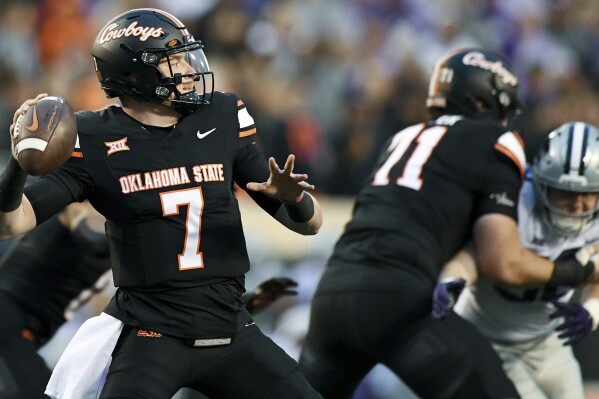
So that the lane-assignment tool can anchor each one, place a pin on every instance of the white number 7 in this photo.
(191, 258)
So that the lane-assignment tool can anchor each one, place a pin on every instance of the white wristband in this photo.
(592, 306)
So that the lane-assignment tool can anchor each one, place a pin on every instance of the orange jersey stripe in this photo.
(514, 158)
(77, 154)
(247, 133)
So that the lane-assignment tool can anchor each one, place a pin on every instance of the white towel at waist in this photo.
(79, 370)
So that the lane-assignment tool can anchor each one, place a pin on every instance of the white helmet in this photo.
(569, 161)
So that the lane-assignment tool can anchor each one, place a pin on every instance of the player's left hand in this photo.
(269, 291)
(578, 321)
(445, 296)
(283, 184)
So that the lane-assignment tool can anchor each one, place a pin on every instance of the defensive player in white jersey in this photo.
(533, 328)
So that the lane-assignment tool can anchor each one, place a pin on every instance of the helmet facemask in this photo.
(567, 165)
(563, 222)
(179, 64)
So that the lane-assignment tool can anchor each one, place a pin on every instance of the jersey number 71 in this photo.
(426, 139)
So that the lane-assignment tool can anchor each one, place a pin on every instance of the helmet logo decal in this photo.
(143, 32)
(477, 59)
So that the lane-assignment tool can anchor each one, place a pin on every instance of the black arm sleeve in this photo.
(47, 197)
(12, 183)
(52, 192)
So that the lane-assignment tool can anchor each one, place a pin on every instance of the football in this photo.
(45, 135)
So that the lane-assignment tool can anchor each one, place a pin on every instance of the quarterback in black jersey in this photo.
(437, 184)
(161, 169)
(47, 275)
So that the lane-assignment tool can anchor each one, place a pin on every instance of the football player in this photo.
(48, 274)
(161, 169)
(45, 274)
(437, 184)
(533, 328)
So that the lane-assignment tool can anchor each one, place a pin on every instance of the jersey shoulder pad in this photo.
(224, 102)
(89, 121)
(511, 145)
(247, 127)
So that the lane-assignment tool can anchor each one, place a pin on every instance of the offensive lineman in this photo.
(436, 185)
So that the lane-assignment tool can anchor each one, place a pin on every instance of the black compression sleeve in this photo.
(12, 185)
(301, 211)
(47, 197)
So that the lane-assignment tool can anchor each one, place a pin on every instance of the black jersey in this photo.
(173, 222)
(45, 270)
(431, 183)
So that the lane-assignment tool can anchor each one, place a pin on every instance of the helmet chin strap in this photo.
(567, 225)
(187, 103)
(184, 103)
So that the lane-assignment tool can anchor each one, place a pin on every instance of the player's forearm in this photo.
(462, 265)
(501, 258)
(17, 222)
(523, 267)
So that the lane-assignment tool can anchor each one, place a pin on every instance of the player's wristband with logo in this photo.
(302, 209)
(570, 272)
(12, 185)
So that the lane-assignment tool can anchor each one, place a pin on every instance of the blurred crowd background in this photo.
(327, 80)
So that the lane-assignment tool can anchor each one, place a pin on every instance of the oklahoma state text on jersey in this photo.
(173, 221)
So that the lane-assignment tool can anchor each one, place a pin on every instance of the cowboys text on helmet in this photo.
(477, 59)
(143, 32)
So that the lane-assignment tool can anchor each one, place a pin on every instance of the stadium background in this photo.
(327, 80)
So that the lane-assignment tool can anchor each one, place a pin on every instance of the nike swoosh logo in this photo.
(34, 123)
(202, 135)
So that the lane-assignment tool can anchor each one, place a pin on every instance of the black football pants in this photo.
(438, 359)
(251, 367)
(23, 373)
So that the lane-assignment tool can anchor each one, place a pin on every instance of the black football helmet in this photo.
(129, 48)
(474, 82)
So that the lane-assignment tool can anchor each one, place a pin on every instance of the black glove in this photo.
(578, 321)
(268, 292)
(445, 296)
